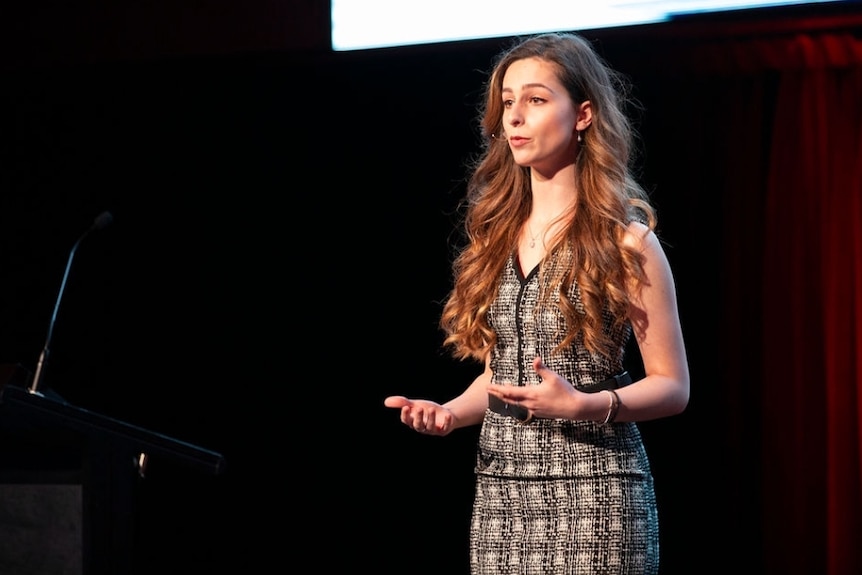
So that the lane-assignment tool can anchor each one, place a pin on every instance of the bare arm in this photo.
(663, 391)
(432, 418)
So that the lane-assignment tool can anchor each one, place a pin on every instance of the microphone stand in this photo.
(104, 219)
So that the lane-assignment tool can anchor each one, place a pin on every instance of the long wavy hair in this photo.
(498, 201)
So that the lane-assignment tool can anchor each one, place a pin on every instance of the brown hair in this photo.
(499, 199)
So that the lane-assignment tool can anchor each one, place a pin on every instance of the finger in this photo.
(508, 393)
(419, 421)
(426, 420)
(436, 421)
(429, 416)
(539, 365)
(513, 399)
(396, 401)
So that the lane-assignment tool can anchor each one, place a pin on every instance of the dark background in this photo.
(280, 246)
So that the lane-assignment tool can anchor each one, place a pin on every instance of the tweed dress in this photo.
(554, 496)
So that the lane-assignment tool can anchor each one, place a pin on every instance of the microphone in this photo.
(101, 222)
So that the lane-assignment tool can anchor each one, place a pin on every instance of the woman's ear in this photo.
(584, 116)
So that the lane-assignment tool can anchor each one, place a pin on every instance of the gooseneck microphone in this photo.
(101, 222)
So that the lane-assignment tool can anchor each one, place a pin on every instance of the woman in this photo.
(561, 267)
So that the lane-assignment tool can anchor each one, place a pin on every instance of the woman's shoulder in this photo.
(638, 235)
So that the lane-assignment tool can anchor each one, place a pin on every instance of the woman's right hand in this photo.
(423, 416)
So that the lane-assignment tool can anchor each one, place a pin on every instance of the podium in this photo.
(71, 476)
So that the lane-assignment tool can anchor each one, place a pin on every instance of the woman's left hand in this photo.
(553, 398)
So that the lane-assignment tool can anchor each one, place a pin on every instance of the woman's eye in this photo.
(536, 100)
(507, 103)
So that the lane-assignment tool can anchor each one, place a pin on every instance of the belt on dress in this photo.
(523, 415)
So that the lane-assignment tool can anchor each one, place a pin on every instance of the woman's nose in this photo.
(515, 117)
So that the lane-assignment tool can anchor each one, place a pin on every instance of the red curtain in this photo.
(806, 259)
(771, 129)
(812, 294)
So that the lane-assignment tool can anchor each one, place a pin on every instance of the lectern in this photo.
(70, 476)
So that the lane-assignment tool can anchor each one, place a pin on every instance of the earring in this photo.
(580, 137)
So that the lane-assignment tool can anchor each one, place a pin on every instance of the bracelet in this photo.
(613, 406)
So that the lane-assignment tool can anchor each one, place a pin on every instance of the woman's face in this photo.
(539, 118)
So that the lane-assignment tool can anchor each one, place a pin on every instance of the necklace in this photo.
(542, 232)
(532, 236)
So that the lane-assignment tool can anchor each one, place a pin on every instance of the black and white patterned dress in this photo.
(557, 497)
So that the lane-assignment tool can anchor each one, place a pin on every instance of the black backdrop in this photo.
(274, 270)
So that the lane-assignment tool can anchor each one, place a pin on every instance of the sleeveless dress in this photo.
(554, 496)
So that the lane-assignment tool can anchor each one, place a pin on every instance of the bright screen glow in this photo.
(363, 24)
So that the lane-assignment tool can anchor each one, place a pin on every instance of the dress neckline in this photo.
(516, 264)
